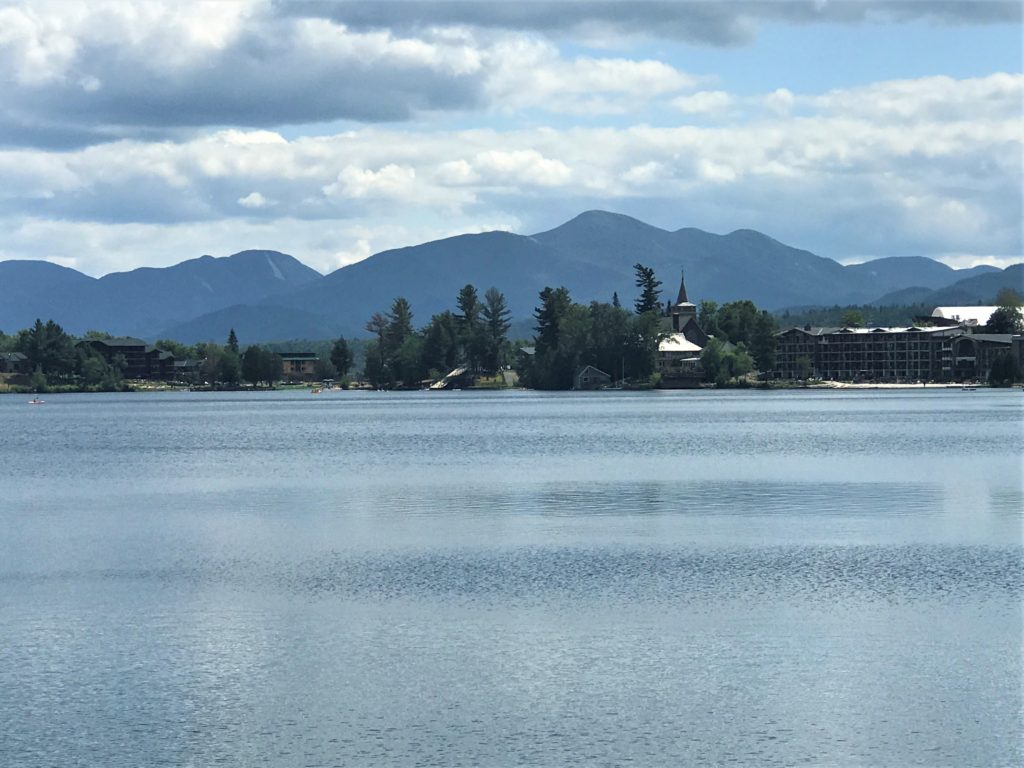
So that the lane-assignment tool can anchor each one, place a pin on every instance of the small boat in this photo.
(316, 391)
(36, 401)
(966, 388)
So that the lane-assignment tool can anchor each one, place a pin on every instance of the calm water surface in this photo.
(822, 578)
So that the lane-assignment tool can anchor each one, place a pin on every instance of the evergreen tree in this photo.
(554, 303)
(550, 369)
(471, 337)
(399, 331)
(375, 369)
(399, 326)
(48, 348)
(762, 341)
(441, 344)
(615, 299)
(341, 356)
(232, 342)
(496, 324)
(649, 299)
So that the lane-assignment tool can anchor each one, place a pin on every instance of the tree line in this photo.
(570, 336)
(624, 344)
(56, 359)
(474, 336)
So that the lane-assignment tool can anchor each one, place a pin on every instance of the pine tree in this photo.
(649, 299)
(341, 356)
(470, 332)
(233, 341)
(496, 324)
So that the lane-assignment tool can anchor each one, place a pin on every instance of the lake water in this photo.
(666, 578)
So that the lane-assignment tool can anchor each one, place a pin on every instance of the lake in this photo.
(512, 578)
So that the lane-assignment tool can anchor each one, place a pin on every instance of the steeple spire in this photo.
(681, 299)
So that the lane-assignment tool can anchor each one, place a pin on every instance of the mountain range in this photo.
(266, 295)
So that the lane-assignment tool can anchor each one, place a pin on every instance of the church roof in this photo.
(681, 298)
(677, 342)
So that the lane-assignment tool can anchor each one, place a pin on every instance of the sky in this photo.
(146, 133)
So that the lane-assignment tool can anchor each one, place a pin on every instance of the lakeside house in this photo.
(187, 370)
(588, 377)
(298, 366)
(684, 340)
(14, 362)
(142, 361)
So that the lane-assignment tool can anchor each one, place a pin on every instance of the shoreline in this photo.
(868, 385)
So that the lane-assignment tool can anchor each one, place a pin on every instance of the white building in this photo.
(969, 316)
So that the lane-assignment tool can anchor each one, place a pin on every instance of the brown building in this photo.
(298, 366)
(142, 361)
(14, 362)
(893, 355)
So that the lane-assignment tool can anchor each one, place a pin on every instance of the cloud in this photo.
(105, 70)
(254, 200)
(697, 21)
(526, 73)
(1000, 95)
(840, 173)
(393, 182)
(780, 101)
(704, 103)
(76, 75)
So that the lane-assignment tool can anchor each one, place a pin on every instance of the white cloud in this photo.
(968, 260)
(85, 73)
(520, 168)
(832, 178)
(999, 95)
(779, 101)
(704, 103)
(527, 73)
(254, 200)
(393, 182)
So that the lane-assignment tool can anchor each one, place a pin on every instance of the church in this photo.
(679, 351)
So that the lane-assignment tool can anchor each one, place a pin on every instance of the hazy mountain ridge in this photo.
(144, 301)
(267, 295)
(975, 289)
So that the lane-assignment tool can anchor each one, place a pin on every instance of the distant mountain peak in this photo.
(598, 220)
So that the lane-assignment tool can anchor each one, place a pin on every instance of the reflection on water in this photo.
(507, 579)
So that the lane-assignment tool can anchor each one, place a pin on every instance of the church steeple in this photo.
(681, 299)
